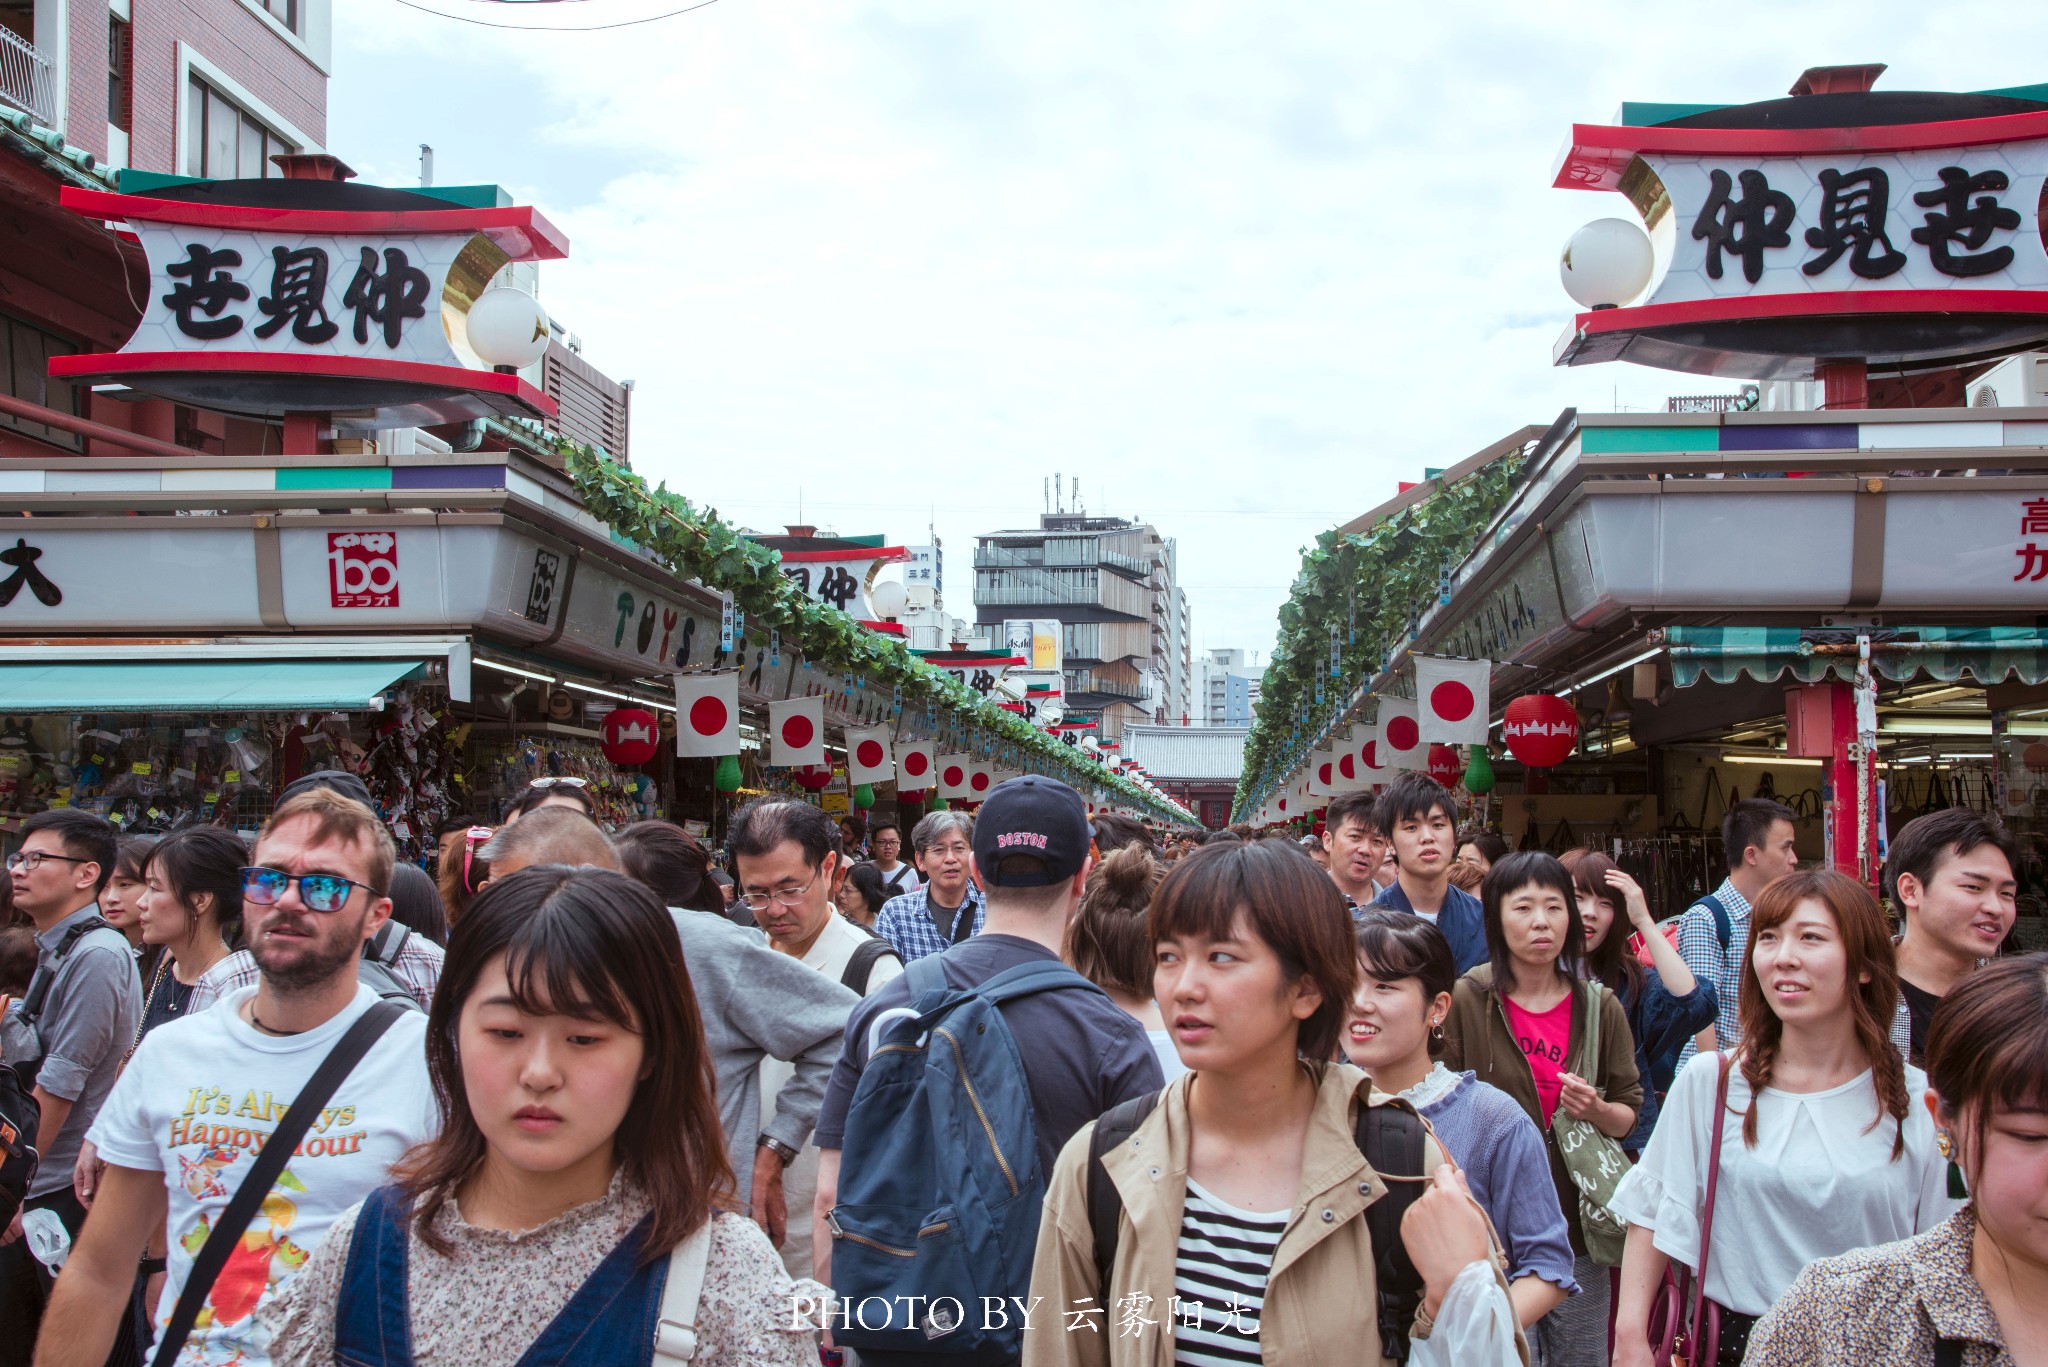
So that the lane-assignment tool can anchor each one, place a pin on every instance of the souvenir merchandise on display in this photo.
(143, 773)
(503, 769)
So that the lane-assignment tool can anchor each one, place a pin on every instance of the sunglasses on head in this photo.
(564, 782)
(319, 891)
(473, 839)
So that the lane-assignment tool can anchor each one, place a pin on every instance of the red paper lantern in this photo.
(630, 735)
(2035, 757)
(814, 777)
(1445, 766)
(1541, 729)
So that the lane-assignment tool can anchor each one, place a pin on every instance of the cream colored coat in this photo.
(1321, 1308)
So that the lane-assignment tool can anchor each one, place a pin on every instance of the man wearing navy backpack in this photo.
(954, 1203)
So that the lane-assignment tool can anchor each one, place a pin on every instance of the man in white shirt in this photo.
(898, 877)
(203, 1093)
(786, 859)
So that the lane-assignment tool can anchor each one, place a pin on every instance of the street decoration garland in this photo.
(1356, 599)
(698, 544)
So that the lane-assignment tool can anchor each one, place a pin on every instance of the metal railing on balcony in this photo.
(26, 82)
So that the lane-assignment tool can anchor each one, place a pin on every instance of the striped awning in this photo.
(1987, 654)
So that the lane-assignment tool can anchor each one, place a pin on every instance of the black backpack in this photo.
(20, 1114)
(1390, 1136)
(374, 970)
(862, 964)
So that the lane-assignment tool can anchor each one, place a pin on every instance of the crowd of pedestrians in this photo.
(1051, 1090)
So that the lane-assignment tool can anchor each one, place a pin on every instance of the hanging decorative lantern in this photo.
(630, 735)
(864, 795)
(726, 777)
(1479, 773)
(1541, 729)
(2035, 757)
(814, 778)
(1444, 766)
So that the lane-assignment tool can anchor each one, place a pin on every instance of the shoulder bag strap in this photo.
(1699, 1285)
(43, 979)
(1105, 1202)
(675, 1337)
(963, 920)
(262, 1175)
(861, 966)
(1391, 1138)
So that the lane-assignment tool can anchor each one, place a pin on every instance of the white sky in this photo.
(1241, 267)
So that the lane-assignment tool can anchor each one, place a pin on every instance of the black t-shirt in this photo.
(1085, 1054)
(166, 1003)
(1920, 1005)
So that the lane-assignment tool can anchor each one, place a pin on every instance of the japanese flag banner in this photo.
(867, 755)
(1453, 700)
(1348, 774)
(1400, 736)
(916, 766)
(707, 715)
(954, 772)
(1372, 769)
(796, 731)
(1322, 773)
(981, 780)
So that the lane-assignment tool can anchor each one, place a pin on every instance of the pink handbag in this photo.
(1679, 1338)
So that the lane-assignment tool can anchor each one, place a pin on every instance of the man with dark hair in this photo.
(1357, 845)
(885, 839)
(1421, 821)
(1713, 933)
(1114, 830)
(949, 907)
(851, 841)
(90, 1003)
(1951, 874)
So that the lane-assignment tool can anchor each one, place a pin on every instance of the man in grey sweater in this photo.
(755, 1003)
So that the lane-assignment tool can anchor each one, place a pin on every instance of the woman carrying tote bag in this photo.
(1821, 1147)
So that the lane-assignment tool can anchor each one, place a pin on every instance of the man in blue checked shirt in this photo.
(949, 907)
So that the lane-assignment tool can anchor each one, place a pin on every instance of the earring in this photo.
(1957, 1190)
(1436, 1033)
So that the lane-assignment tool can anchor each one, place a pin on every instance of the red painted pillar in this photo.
(1820, 723)
(302, 434)
(1844, 384)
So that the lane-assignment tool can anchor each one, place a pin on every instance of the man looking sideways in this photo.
(204, 1092)
(1421, 822)
(1351, 835)
(1951, 875)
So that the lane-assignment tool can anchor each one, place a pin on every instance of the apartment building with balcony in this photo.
(1124, 623)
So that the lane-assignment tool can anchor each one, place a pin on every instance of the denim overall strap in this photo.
(611, 1320)
(373, 1325)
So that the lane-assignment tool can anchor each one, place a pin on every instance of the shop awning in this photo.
(1987, 654)
(197, 685)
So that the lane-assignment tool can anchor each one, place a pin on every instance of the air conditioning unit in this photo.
(2016, 382)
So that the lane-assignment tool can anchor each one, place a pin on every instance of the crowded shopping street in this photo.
(1512, 833)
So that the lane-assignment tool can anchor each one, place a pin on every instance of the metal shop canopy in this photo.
(1987, 654)
(198, 685)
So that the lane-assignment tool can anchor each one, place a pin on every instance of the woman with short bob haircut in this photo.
(1822, 1149)
(1977, 1281)
(581, 1147)
(1109, 942)
(1250, 1161)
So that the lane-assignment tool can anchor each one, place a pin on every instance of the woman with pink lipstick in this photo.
(580, 1180)
(1821, 1147)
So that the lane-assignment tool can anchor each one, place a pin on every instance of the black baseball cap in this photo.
(339, 780)
(1034, 816)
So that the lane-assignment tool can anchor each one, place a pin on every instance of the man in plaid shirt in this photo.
(948, 908)
(1756, 835)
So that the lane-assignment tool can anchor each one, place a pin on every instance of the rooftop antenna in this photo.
(426, 166)
(1058, 505)
(1077, 497)
(1048, 494)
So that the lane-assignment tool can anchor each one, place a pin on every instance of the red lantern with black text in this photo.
(1541, 729)
(631, 735)
(1445, 766)
(814, 778)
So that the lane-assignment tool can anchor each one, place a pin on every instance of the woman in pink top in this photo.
(1521, 1022)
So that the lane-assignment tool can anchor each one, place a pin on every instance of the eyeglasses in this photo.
(319, 891)
(28, 861)
(788, 897)
(559, 783)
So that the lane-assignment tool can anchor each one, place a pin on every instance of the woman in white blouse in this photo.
(1822, 1150)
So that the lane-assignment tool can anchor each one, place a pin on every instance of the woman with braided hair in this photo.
(1823, 1149)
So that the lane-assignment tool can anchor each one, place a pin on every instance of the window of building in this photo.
(25, 352)
(286, 12)
(223, 141)
(120, 56)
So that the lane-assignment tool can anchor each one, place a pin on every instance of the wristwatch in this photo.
(781, 1150)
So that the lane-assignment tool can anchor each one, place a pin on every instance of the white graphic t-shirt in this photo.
(198, 1100)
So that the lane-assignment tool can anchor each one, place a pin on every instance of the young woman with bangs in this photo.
(120, 897)
(1974, 1287)
(1242, 1189)
(580, 1166)
(1823, 1150)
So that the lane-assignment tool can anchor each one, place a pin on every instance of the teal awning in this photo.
(197, 685)
(1988, 655)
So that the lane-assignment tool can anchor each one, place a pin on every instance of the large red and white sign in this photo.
(707, 715)
(796, 731)
(1400, 736)
(1453, 702)
(362, 569)
(840, 579)
(916, 766)
(955, 773)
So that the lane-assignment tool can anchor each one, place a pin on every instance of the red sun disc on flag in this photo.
(797, 732)
(978, 782)
(916, 762)
(1402, 733)
(1370, 753)
(1323, 775)
(954, 776)
(868, 753)
(1451, 700)
(707, 716)
(1347, 765)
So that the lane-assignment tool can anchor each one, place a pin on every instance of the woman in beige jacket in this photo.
(1242, 1236)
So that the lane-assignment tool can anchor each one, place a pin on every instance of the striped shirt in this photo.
(1219, 1280)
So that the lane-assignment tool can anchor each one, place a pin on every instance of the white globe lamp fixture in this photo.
(890, 600)
(1607, 263)
(508, 329)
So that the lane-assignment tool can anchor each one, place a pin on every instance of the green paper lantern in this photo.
(938, 804)
(726, 778)
(1479, 773)
(864, 796)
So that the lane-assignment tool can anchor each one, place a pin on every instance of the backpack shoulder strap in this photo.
(262, 1175)
(43, 979)
(1724, 928)
(383, 947)
(1390, 1136)
(862, 965)
(1105, 1203)
(675, 1337)
(926, 980)
(1043, 975)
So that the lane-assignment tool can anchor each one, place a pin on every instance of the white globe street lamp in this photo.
(508, 329)
(1607, 263)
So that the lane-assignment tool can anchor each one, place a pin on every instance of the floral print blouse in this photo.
(492, 1299)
